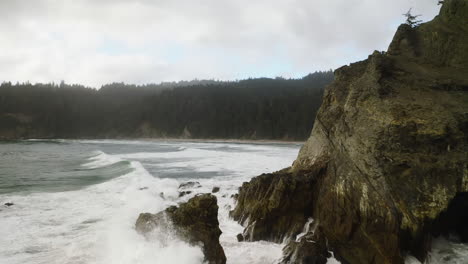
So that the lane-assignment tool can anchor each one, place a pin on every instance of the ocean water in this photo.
(76, 201)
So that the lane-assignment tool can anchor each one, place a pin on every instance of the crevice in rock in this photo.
(453, 222)
(450, 224)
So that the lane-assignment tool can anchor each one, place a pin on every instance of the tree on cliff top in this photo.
(412, 19)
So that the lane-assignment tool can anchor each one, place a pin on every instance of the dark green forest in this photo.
(259, 108)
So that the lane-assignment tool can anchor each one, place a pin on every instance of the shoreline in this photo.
(198, 140)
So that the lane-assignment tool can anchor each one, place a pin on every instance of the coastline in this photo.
(198, 140)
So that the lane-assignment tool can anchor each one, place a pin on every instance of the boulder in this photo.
(189, 184)
(183, 193)
(195, 222)
(215, 189)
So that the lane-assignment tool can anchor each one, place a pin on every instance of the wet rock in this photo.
(9, 204)
(183, 193)
(195, 222)
(235, 196)
(309, 249)
(190, 184)
(240, 238)
(275, 206)
(215, 189)
(143, 188)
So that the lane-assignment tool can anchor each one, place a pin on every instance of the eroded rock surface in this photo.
(276, 205)
(311, 248)
(195, 222)
(387, 153)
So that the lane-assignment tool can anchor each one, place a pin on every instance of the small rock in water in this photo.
(143, 188)
(240, 237)
(161, 194)
(184, 193)
(9, 204)
(189, 184)
(195, 222)
(235, 196)
(215, 189)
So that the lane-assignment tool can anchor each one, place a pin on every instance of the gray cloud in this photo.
(140, 41)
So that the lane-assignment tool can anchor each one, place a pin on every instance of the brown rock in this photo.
(195, 222)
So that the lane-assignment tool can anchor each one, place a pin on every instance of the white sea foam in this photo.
(93, 225)
(444, 252)
(96, 224)
(101, 159)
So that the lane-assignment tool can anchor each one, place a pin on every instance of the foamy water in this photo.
(77, 201)
(95, 224)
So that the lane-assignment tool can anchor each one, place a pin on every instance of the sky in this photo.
(93, 42)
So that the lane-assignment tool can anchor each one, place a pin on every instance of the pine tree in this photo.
(412, 19)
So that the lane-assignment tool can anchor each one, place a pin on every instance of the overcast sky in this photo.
(93, 42)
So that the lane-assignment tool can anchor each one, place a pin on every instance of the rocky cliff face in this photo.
(195, 222)
(387, 157)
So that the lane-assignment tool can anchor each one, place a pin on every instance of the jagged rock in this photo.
(190, 184)
(183, 193)
(388, 150)
(195, 222)
(309, 249)
(9, 204)
(240, 238)
(215, 189)
(274, 206)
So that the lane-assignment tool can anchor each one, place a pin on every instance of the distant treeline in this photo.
(249, 109)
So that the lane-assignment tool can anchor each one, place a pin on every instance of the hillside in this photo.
(281, 109)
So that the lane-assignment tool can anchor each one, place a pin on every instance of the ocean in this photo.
(76, 201)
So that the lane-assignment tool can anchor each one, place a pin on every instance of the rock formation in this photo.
(195, 222)
(385, 167)
(274, 206)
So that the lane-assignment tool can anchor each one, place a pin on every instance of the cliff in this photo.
(387, 157)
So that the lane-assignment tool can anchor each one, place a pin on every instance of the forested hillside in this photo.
(248, 109)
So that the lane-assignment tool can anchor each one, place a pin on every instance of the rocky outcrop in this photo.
(195, 222)
(388, 151)
(309, 248)
(275, 206)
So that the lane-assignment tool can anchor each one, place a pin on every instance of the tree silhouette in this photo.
(260, 108)
(412, 19)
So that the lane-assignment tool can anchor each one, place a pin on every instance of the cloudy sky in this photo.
(93, 42)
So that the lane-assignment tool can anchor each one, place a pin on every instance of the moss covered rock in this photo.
(275, 206)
